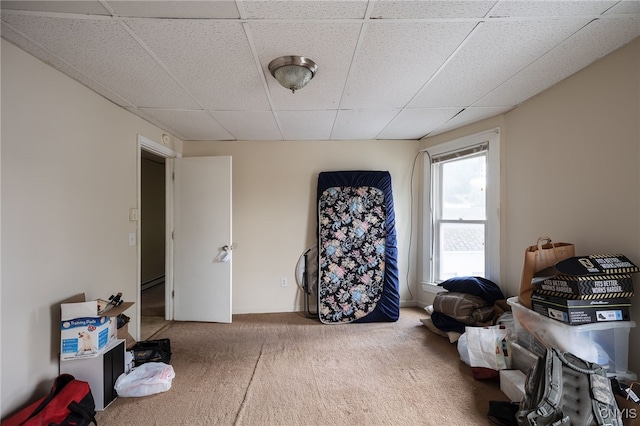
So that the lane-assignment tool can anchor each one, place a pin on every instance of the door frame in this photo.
(146, 144)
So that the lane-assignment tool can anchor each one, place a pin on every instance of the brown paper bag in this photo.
(538, 257)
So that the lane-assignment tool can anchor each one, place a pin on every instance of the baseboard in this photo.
(300, 308)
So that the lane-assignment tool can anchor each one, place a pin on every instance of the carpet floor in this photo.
(285, 369)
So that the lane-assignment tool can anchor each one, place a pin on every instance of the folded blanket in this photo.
(453, 336)
(463, 307)
(446, 323)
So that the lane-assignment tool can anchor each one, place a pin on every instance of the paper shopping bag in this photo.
(544, 254)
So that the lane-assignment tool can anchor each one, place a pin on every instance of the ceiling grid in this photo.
(387, 69)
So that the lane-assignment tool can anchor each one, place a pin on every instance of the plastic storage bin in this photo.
(605, 343)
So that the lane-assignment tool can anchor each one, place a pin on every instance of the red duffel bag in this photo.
(70, 402)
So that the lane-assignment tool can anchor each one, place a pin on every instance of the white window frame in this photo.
(492, 236)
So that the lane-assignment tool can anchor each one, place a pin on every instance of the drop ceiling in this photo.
(386, 69)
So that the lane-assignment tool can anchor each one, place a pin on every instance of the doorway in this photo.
(209, 279)
(152, 244)
(149, 300)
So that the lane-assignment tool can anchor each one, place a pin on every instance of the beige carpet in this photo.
(285, 369)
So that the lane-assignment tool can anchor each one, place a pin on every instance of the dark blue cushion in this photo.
(476, 286)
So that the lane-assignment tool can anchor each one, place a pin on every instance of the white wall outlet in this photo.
(132, 238)
(283, 281)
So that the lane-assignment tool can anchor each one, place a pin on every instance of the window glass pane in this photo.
(461, 250)
(464, 185)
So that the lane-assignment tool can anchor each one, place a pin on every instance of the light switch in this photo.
(133, 215)
(132, 238)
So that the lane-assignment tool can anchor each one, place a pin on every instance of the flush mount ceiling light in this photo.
(293, 72)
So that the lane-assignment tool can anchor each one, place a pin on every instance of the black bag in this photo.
(70, 402)
(152, 351)
(564, 389)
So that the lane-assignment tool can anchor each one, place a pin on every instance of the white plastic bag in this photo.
(463, 350)
(489, 347)
(146, 379)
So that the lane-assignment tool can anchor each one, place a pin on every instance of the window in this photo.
(461, 215)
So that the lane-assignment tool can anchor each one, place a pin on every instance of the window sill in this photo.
(432, 288)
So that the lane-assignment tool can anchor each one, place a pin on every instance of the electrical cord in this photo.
(413, 168)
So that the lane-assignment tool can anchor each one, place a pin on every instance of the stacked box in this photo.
(581, 311)
(585, 289)
(83, 332)
(597, 264)
(551, 283)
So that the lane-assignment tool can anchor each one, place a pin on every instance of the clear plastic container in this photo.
(605, 343)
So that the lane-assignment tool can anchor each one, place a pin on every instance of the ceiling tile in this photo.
(288, 9)
(263, 124)
(306, 125)
(361, 124)
(190, 125)
(87, 7)
(329, 45)
(589, 44)
(626, 6)
(394, 69)
(468, 116)
(395, 60)
(529, 8)
(222, 9)
(211, 59)
(45, 56)
(420, 9)
(153, 120)
(414, 123)
(103, 50)
(494, 58)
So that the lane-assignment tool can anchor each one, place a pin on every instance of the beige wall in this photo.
(68, 181)
(274, 222)
(571, 168)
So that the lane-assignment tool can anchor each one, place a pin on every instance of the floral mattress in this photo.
(353, 249)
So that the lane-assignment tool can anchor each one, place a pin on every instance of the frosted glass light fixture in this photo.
(293, 72)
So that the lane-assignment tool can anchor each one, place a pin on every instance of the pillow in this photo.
(476, 286)
(452, 335)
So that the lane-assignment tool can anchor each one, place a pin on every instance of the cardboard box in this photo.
(123, 333)
(83, 332)
(596, 264)
(585, 287)
(576, 312)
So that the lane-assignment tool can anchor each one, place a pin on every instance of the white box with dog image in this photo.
(84, 332)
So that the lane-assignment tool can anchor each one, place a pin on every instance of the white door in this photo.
(202, 226)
